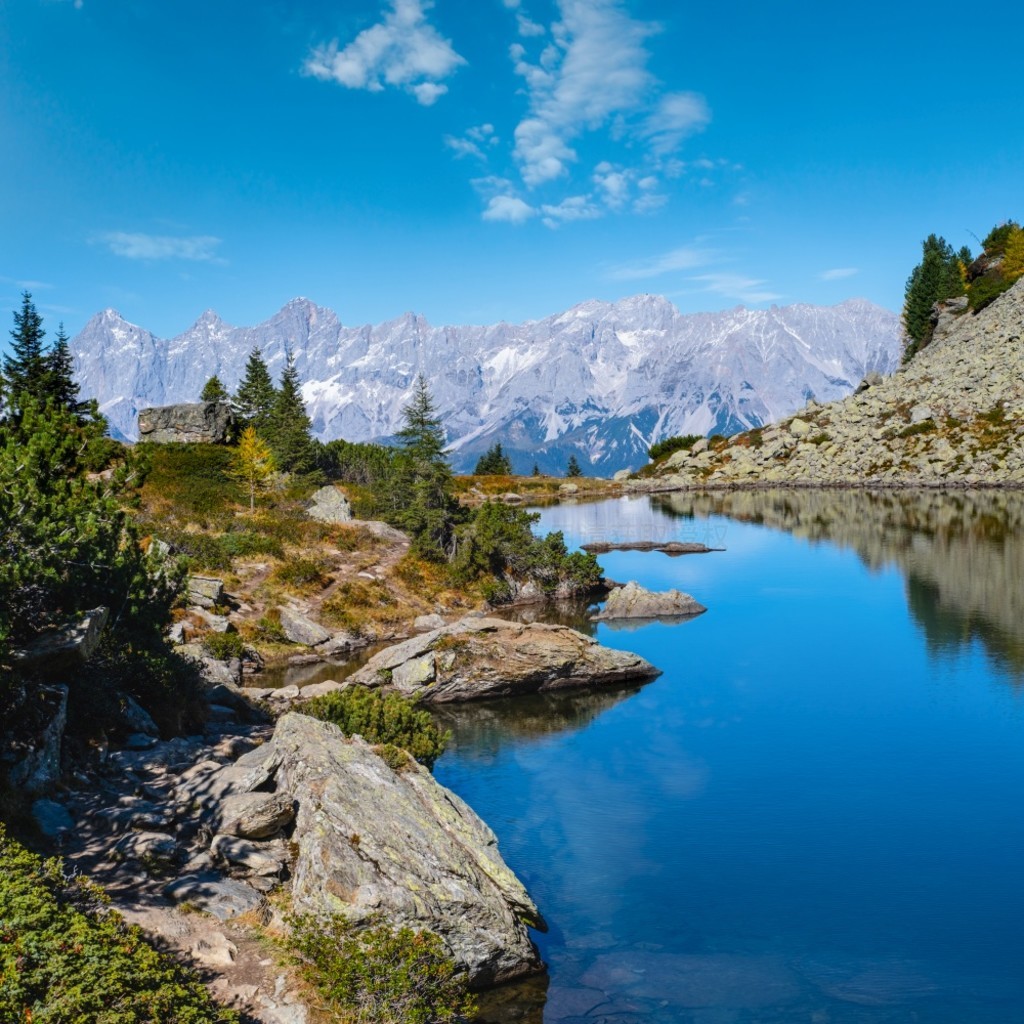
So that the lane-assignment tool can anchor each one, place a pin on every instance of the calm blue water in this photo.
(816, 813)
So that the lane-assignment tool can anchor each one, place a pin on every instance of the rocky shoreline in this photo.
(208, 842)
(951, 417)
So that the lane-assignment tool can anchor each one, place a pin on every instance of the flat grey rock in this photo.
(224, 898)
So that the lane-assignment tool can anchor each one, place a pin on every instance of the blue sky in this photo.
(479, 160)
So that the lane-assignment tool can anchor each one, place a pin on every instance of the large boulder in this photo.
(64, 647)
(635, 602)
(202, 422)
(477, 658)
(329, 505)
(372, 841)
(30, 755)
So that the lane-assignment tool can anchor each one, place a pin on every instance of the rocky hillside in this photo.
(601, 381)
(954, 414)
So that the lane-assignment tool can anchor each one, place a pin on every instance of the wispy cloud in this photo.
(683, 258)
(594, 69)
(677, 116)
(838, 273)
(475, 142)
(140, 246)
(568, 210)
(403, 50)
(585, 78)
(736, 286)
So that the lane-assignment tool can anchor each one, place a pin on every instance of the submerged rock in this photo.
(635, 602)
(477, 658)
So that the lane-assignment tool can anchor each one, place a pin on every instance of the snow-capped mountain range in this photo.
(602, 380)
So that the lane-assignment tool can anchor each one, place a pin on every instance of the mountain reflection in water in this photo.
(961, 553)
(814, 813)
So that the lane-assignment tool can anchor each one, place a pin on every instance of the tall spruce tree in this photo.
(256, 395)
(421, 499)
(60, 377)
(936, 278)
(288, 428)
(214, 391)
(25, 369)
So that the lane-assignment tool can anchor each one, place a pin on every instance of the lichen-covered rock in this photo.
(195, 422)
(329, 505)
(302, 630)
(373, 841)
(66, 646)
(205, 591)
(477, 658)
(635, 602)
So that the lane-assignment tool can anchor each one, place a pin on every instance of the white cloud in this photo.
(736, 286)
(649, 202)
(683, 258)
(838, 273)
(463, 147)
(614, 185)
(139, 246)
(568, 210)
(510, 209)
(403, 50)
(528, 28)
(678, 115)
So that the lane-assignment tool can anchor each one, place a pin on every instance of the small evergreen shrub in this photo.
(378, 975)
(65, 958)
(223, 646)
(302, 574)
(668, 445)
(382, 719)
(985, 290)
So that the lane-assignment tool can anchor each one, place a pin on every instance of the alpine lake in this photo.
(816, 813)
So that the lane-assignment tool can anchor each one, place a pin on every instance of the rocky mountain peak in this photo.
(601, 380)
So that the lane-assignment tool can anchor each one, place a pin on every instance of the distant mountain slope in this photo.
(953, 415)
(601, 380)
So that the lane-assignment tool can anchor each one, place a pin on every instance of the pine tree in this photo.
(536, 469)
(255, 397)
(421, 499)
(288, 427)
(936, 278)
(572, 468)
(494, 462)
(25, 370)
(253, 463)
(214, 391)
(60, 377)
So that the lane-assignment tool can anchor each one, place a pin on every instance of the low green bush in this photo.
(380, 975)
(382, 719)
(302, 574)
(985, 289)
(65, 958)
(669, 445)
(223, 646)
